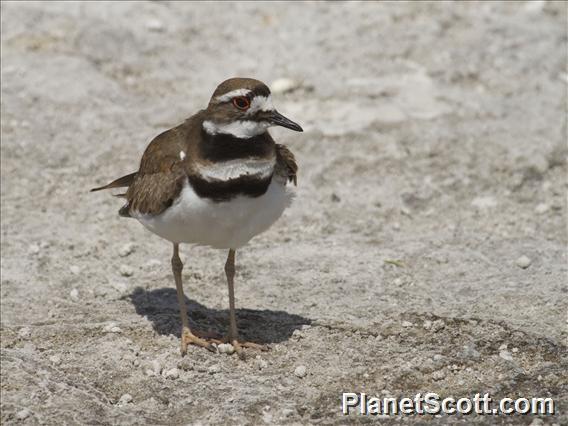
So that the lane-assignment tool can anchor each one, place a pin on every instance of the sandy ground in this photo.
(434, 159)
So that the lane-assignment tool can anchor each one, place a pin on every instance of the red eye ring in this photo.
(241, 102)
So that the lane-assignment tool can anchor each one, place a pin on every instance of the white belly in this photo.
(228, 224)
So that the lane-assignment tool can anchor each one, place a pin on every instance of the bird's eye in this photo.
(241, 102)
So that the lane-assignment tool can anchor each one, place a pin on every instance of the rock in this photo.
(542, 208)
(438, 375)
(75, 270)
(24, 333)
(23, 414)
(33, 249)
(155, 25)
(225, 348)
(260, 363)
(470, 352)
(74, 294)
(152, 264)
(171, 374)
(506, 355)
(300, 371)
(119, 286)
(156, 367)
(523, 262)
(407, 324)
(214, 369)
(288, 412)
(126, 271)
(110, 327)
(427, 325)
(484, 203)
(125, 399)
(438, 325)
(126, 249)
(55, 359)
(284, 85)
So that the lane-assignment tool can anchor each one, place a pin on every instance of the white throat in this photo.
(242, 129)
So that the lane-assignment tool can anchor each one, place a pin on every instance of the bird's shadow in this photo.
(161, 307)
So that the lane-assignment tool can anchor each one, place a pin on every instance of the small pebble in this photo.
(438, 375)
(156, 367)
(54, 359)
(300, 371)
(506, 355)
(427, 325)
(126, 271)
(515, 350)
(155, 25)
(125, 399)
(438, 325)
(260, 363)
(407, 324)
(214, 369)
(74, 294)
(523, 262)
(120, 286)
(23, 414)
(24, 333)
(152, 264)
(287, 412)
(297, 334)
(33, 249)
(542, 208)
(112, 327)
(484, 203)
(75, 270)
(225, 348)
(284, 85)
(126, 249)
(172, 374)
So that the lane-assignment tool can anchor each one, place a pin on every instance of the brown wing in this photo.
(118, 183)
(161, 175)
(286, 163)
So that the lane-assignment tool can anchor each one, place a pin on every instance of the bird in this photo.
(218, 179)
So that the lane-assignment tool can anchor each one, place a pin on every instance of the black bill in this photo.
(279, 120)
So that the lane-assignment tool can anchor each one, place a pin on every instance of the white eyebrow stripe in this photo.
(230, 95)
(260, 103)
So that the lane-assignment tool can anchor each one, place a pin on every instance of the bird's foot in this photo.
(187, 337)
(239, 345)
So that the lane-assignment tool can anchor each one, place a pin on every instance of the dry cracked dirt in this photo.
(425, 249)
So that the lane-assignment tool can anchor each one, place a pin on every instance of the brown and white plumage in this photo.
(218, 179)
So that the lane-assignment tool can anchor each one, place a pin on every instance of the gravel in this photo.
(301, 371)
(523, 262)
(440, 129)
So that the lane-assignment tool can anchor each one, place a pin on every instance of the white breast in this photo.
(234, 169)
(228, 224)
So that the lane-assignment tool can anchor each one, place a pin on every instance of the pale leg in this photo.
(186, 335)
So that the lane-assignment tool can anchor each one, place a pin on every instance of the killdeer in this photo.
(218, 179)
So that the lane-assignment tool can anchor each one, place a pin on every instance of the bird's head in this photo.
(242, 107)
